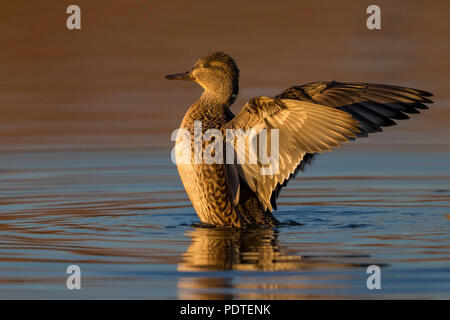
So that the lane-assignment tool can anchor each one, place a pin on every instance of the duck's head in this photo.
(217, 73)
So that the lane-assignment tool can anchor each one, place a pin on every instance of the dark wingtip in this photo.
(426, 100)
(426, 93)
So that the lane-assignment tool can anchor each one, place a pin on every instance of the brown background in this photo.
(104, 86)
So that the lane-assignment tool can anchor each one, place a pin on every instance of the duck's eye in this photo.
(206, 65)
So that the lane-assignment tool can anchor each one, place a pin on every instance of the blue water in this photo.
(123, 217)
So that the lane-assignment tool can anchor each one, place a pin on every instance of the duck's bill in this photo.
(180, 76)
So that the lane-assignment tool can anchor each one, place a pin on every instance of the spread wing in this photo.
(303, 128)
(373, 105)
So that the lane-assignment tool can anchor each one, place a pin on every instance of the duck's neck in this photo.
(224, 96)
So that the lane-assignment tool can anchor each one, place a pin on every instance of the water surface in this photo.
(129, 226)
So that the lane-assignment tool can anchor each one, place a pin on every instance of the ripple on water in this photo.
(133, 231)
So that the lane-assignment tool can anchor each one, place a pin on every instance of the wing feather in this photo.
(372, 105)
(303, 128)
(317, 117)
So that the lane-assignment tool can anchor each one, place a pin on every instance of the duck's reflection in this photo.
(213, 252)
(229, 249)
(234, 249)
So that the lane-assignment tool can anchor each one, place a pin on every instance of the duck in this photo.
(309, 119)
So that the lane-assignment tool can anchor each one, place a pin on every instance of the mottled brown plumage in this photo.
(311, 119)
